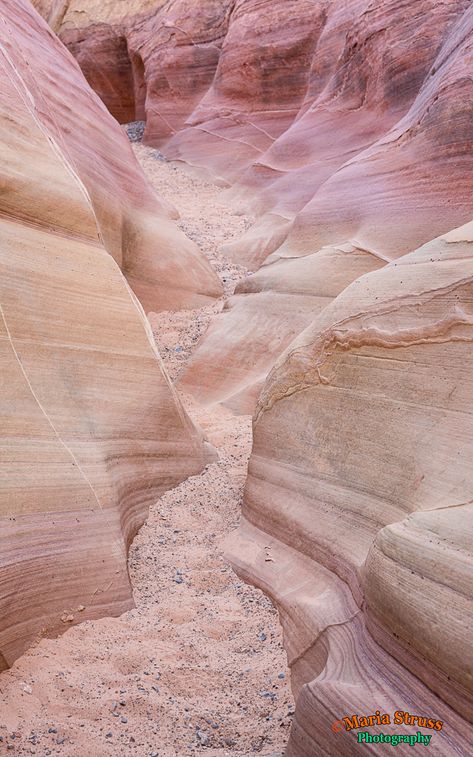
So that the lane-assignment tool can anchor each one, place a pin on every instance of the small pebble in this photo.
(202, 737)
(268, 695)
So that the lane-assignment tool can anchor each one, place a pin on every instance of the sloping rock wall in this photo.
(386, 146)
(164, 268)
(359, 491)
(346, 127)
(91, 430)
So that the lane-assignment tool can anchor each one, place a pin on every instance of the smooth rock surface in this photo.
(346, 132)
(359, 477)
(91, 429)
(346, 128)
(375, 164)
(163, 267)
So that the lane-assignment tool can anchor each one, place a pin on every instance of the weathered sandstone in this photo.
(269, 309)
(164, 268)
(368, 67)
(372, 202)
(359, 484)
(91, 430)
(345, 126)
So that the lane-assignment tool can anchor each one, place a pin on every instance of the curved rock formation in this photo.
(91, 431)
(372, 202)
(178, 51)
(359, 487)
(269, 309)
(259, 86)
(404, 173)
(369, 65)
(164, 268)
(345, 125)
(146, 58)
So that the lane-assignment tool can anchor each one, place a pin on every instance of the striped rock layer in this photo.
(91, 430)
(345, 126)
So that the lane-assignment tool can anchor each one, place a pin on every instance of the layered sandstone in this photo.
(345, 126)
(359, 489)
(268, 310)
(387, 151)
(147, 59)
(164, 268)
(91, 430)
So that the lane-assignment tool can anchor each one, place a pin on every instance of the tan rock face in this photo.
(359, 178)
(346, 127)
(359, 481)
(91, 431)
(164, 268)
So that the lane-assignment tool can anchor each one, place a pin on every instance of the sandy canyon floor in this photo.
(198, 666)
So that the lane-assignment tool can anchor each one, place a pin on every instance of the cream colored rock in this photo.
(164, 268)
(91, 430)
(350, 135)
(269, 309)
(359, 476)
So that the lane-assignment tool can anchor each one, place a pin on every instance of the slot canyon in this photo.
(236, 319)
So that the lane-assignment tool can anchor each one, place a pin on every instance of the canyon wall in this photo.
(345, 127)
(358, 516)
(91, 430)
(164, 268)
(373, 201)
(341, 134)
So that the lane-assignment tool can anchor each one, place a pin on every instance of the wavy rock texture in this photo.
(371, 203)
(343, 134)
(269, 309)
(91, 431)
(178, 51)
(164, 268)
(359, 487)
(346, 127)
